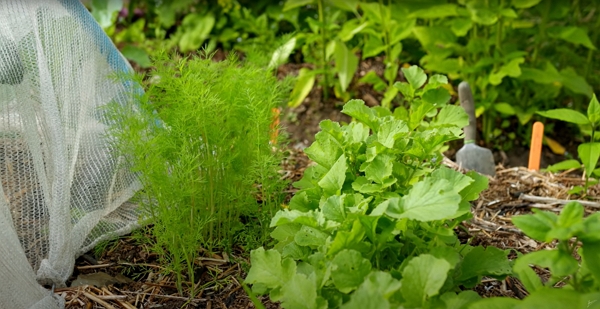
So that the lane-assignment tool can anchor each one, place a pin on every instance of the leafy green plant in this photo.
(372, 224)
(487, 43)
(383, 35)
(320, 45)
(589, 152)
(199, 139)
(581, 279)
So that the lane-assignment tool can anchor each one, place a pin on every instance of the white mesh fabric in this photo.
(62, 186)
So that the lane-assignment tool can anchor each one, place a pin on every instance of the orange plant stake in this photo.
(275, 125)
(535, 153)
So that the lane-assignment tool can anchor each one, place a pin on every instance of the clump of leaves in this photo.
(372, 224)
(575, 234)
(199, 139)
(589, 152)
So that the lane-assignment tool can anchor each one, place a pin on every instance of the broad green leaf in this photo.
(481, 261)
(373, 47)
(369, 223)
(593, 111)
(325, 150)
(300, 201)
(555, 298)
(198, 28)
(379, 168)
(389, 130)
(422, 278)
(309, 180)
(418, 111)
(333, 181)
(282, 53)
(104, 11)
(359, 111)
(591, 257)
(571, 214)
(351, 28)
(347, 239)
(372, 78)
(285, 232)
(459, 180)
(591, 226)
(451, 115)
(436, 97)
(349, 270)
(303, 86)
(511, 69)
(482, 15)
(310, 236)
(509, 13)
(524, 4)
(445, 65)
(571, 34)
(567, 115)
(292, 4)
(415, 76)
(496, 303)
(560, 263)
(575, 82)
(300, 292)
(374, 292)
(446, 253)
(589, 154)
(533, 226)
(268, 268)
(310, 218)
(435, 11)
(461, 26)
(332, 128)
(564, 165)
(365, 186)
(294, 251)
(405, 89)
(372, 10)
(461, 300)
(333, 208)
(548, 76)
(346, 64)
(357, 133)
(136, 54)
(428, 200)
(436, 80)
(504, 108)
(528, 277)
(346, 5)
(480, 183)
(431, 36)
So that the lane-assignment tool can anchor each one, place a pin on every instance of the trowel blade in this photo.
(479, 159)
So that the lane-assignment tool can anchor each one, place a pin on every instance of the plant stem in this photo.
(386, 34)
(322, 20)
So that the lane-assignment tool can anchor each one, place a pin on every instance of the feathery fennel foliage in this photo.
(199, 139)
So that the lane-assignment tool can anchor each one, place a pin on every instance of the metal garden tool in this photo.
(471, 156)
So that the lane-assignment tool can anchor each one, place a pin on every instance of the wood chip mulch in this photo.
(140, 282)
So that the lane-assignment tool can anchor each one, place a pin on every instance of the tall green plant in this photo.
(320, 45)
(372, 224)
(199, 139)
(589, 152)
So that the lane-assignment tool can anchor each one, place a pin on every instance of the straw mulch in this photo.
(514, 191)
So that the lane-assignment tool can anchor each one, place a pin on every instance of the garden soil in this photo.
(126, 275)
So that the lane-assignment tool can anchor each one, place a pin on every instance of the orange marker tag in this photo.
(535, 153)
(275, 125)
